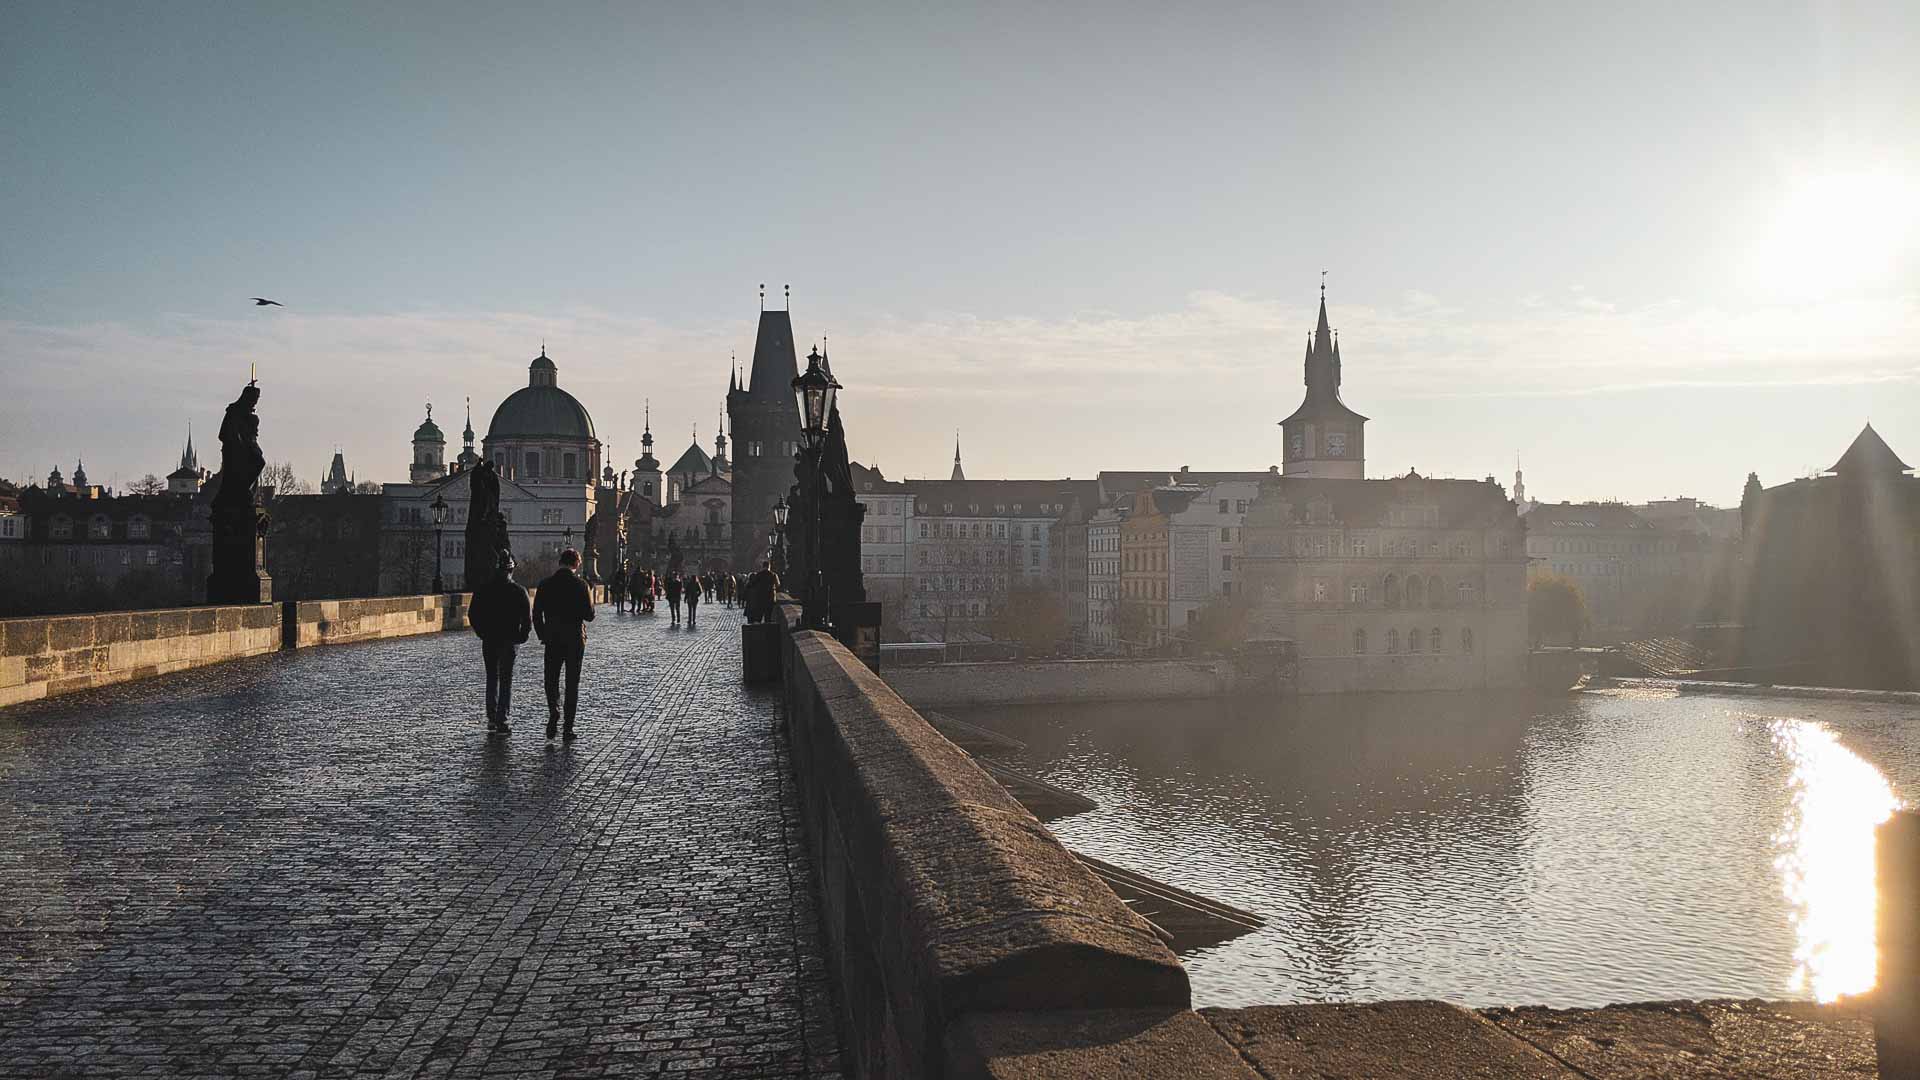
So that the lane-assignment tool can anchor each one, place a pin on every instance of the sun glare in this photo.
(1837, 231)
(1826, 858)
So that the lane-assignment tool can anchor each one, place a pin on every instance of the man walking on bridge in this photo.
(561, 611)
(498, 615)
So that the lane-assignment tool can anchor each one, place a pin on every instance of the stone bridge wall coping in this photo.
(58, 654)
(942, 896)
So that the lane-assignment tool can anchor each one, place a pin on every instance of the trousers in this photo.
(499, 656)
(567, 654)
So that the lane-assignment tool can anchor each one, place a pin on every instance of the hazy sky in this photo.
(1647, 250)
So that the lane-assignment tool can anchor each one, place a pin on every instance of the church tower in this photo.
(429, 452)
(766, 434)
(958, 472)
(720, 448)
(646, 467)
(1324, 438)
(186, 479)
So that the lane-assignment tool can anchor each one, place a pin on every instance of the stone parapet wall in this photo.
(340, 622)
(47, 657)
(942, 897)
(1040, 682)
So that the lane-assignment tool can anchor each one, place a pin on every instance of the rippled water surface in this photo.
(1616, 845)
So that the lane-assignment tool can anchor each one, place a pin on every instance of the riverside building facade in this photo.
(1407, 583)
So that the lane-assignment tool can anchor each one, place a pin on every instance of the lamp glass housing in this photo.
(780, 509)
(439, 510)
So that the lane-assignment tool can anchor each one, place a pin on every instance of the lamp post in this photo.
(439, 546)
(814, 390)
(778, 556)
(566, 538)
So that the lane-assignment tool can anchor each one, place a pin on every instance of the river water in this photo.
(1607, 846)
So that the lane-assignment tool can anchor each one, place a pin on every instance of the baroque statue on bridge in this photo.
(239, 527)
(486, 525)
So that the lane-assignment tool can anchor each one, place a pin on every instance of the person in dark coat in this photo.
(694, 590)
(760, 589)
(618, 587)
(498, 615)
(562, 608)
(673, 596)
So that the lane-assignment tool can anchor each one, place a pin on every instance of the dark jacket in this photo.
(499, 611)
(673, 589)
(694, 592)
(760, 589)
(562, 608)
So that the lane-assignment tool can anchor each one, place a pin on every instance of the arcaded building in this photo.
(1409, 583)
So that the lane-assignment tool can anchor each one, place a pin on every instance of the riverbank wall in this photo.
(1819, 693)
(1046, 682)
(62, 654)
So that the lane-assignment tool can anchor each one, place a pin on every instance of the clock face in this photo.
(1299, 444)
(1336, 443)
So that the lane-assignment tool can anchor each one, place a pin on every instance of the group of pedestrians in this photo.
(561, 608)
(642, 587)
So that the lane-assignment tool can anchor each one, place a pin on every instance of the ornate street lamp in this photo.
(814, 391)
(439, 507)
(778, 556)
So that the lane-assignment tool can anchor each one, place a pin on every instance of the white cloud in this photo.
(1098, 384)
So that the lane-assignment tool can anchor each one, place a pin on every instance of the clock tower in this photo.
(1324, 439)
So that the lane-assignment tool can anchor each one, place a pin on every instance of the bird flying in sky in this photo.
(261, 301)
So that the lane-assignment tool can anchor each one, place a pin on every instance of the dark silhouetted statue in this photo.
(486, 526)
(239, 527)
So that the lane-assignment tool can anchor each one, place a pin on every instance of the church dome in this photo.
(428, 431)
(540, 409)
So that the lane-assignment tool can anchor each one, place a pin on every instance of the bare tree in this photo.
(280, 477)
(147, 485)
(366, 487)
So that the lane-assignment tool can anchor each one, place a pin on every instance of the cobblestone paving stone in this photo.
(317, 865)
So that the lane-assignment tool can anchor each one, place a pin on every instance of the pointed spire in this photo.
(733, 372)
(468, 433)
(958, 472)
(646, 433)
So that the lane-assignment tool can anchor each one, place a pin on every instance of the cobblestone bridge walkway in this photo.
(316, 864)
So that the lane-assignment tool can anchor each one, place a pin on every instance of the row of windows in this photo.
(959, 583)
(1360, 547)
(756, 448)
(99, 527)
(1413, 592)
(1600, 547)
(569, 464)
(1146, 590)
(1435, 641)
(998, 508)
(978, 530)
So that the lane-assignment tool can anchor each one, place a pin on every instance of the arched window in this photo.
(1416, 592)
(1413, 640)
(1466, 640)
(1390, 591)
(1357, 592)
(138, 528)
(61, 527)
(1359, 643)
(99, 527)
(569, 466)
(1393, 640)
(533, 463)
(1434, 644)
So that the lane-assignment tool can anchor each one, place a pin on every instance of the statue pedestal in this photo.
(239, 559)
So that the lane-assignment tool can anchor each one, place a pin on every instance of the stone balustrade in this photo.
(59, 654)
